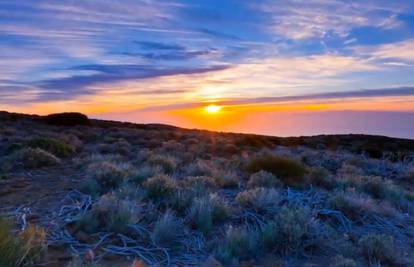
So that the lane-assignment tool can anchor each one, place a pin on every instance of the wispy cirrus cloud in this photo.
(402, 51)
(299, 20)
(149, 52)
(71, 87)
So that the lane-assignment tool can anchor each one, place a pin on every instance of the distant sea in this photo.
(387, 123)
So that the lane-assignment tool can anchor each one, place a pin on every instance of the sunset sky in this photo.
(278, 67)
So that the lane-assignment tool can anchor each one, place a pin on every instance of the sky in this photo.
(298, 67)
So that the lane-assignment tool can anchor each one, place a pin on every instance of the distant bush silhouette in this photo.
(67, 119)
(253, 141)
(290, 172)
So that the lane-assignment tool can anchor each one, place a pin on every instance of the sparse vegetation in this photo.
(166, 195)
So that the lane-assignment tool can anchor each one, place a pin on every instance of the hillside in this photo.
(80, 192)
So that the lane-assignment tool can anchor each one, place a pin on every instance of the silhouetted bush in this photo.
(256, 141)
(67, 119)
(290, 172)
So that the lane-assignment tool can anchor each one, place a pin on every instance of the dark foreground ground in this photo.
(120, 194)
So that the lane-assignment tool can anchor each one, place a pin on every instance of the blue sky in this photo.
(131, 55)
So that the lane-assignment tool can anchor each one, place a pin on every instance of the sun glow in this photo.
(212, 108)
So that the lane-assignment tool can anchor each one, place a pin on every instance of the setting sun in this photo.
(212, 108)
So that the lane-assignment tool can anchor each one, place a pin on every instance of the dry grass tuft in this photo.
(378, 248)
(259, 199)
(168, 231)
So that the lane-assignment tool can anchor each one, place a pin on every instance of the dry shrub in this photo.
(263, 179)
(199, 184)
(352, 204)
(54, 146)
(200, 168)
(142, 174)
(350, 176)
(321, 177)
(24, 249)
(167, 163)
(227, 180)
(160, 186)
(109, 214)
(35, 158)
(206, 211)
(290, 172)
(120, 146)
(382, 189)
(106, 176)
(289, 230)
